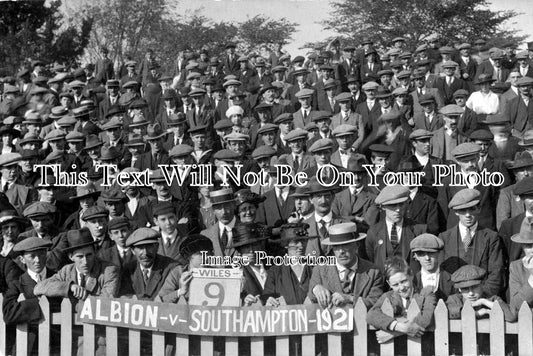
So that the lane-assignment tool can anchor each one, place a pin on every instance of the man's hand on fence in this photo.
(272, 302)
(78, 292)
(250, 299)
(323, 296)
(383, 336)
(410, 328)
(340, 299)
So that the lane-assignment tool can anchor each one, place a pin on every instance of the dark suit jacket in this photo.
(368, 283)
(485, 251)
(379, 247)
(19, 195)
(251, 285)
(438, 143)
(9, 272)
(519, 114)
(282, 282)
(146, 160)
(213, 233)
(142, 215)
(423, 209)
(55, 258)
(510, 227)
(349, 207)
(314, 245)
(447, 91)
(520, 290)
(271, 213)
(160, 269)
(488, 69)
(306, 162)
(421, 122)
(369, 117)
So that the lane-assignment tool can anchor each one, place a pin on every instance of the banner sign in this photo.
(216, 321)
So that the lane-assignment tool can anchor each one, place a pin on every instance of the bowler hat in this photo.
(77, 239)
(314, 187)
(341, 234)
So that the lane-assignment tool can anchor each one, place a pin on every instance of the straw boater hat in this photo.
(341, 234)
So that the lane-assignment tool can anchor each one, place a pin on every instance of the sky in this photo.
(309, 13)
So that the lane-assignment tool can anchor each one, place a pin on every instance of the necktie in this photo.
(296, 163)
(323, 231)
(168, 243)
(370, 105)
(467, 239)
(346, 282)
(394, 236)
(305, 115)
(82, 280)
(39, 278)
(499, 74)
(146, 276)
(281, 201)
(224, 238)
(5, 187)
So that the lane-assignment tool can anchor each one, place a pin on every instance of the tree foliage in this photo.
(418, 20)
(259, 29)
(32, 29)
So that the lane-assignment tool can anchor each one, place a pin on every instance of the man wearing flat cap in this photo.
(469, 242)
(446, 138)
(466, 157)
(111, 99)
(392, 235)
(351, 278)
(421, 88)
(17, 194)
(449, 84)
(493, 67)
(305, 112)
(298, 159)
(21, 310)
(151, 270)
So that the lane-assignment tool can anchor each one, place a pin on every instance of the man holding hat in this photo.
(426, 249)
(221, 234)
(469, 242)
(21, 310)
(392, 235)
(352, 276)
(151, 270)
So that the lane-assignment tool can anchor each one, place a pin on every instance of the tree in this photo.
(419, 20)
(258, 30)
(34, 30)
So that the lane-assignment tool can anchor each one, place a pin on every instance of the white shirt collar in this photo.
(33, 275)
(172, 236)
(462, 230)
(327, 218)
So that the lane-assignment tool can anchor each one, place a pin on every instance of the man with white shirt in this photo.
(421, 88)
(392, 235)
(32, 254)
(345, 135)
(305, 113)
(220, 234)
(428, 119)
(348, 116)
(298, 159)
(426, 249)
(520, 109)
(470, 242)
(166, 220)
(370, 110)
(524, 64)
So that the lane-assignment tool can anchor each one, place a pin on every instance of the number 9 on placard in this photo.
(214, 290)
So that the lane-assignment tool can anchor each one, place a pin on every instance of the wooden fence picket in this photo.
(3, 331)
(206, 346)
(387, 348)
(282, 346)
(525, 330)
(360, 338)
(497, 331)
(89, 339)
(158, 343)
(232, 345)
(66, 327)
(22, 339)
(308, 344)
(257, 345)
(442, 345)
(111, 340)
(414, 345)
(134, 342)
(469, 329)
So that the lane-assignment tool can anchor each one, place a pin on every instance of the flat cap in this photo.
(197, 92)
(481, 135)
(321, 115)
(522, 55)
(321, 145)
(385, 72)
(496, 119)
(446, 50)
(344, 130)
(420, 134)
(9, 159)
(392, 194)
(55, 135)
(426, 99)
(524, 81)
(143, 236)
(524, 187)
(118, 222)
(465, 150)
(227, 155)
(162, 208)
(95, 212)
(39, 209)
(285, 117)
(465, 198)
(391, 116)
(263, 152)
(370, 86)
(343, 97)
(381, 149)
(113, 195)
(464, 46)
(31, 244)
(263, 106)
(305, 93)
(451, 110)
(180, 151)
(229, 82)
(75, 136)
(236, 136)
(497, 54)
(296, 134)
(449, 64)
(460, 93)
(267, 127)
(223, 124)
(400, 91)
(66, 121)
(427, 243)
(404, 74)
(198, 130)
(467, 276)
